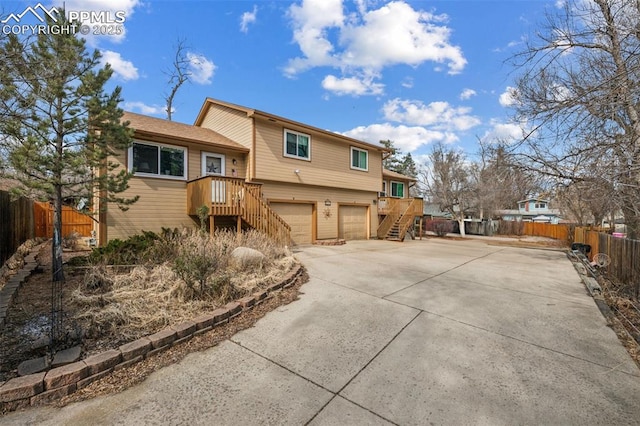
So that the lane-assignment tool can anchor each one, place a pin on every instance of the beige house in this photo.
(253, 169)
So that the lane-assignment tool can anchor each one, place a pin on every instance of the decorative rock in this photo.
(33, 366)
(22, 387)
(135, 349)
(66, 356)
(103, 361)
(245, 257)
(65, 375)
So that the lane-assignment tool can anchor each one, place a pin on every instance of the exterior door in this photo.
(213, 165)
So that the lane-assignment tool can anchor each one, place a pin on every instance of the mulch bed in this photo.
(28, 322)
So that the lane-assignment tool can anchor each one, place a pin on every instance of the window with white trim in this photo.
(297, 145)
(158, 160)
(541, 205)
(397, 189)
(359, 159)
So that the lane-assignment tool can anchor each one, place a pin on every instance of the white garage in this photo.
(300, 217)
(353, 222)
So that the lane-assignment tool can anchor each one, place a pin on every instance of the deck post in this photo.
(421, 227)
(239, 226)
(212, 226)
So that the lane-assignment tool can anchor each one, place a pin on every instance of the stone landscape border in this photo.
(47, 386)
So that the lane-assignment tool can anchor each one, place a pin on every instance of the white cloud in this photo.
(201, 69)
(248, 18)
(405, 138)
(437, 115)
(407, 82)
(509, 97)
(504, 132)
(352, 86)
(106, 6)
(122, 68)
(467, 94)
(144, 108)
(364, 42)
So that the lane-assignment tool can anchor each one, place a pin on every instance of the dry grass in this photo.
(124, 305)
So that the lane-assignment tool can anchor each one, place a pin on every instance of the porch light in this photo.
(327, 202)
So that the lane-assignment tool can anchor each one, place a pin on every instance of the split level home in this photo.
(252, 169)
(533, 209)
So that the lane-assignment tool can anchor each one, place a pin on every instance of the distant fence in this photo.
(624, 255)
(561, 232)
(72, 221)
(16, 223)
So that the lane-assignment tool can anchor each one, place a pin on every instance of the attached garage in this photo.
(353, 222)
(300, 217)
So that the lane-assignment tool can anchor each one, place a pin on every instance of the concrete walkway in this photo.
(415, 333)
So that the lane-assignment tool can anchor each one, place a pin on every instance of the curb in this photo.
(39, 388)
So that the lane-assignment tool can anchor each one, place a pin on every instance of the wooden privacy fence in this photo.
(72, 221)
(16, 224)
(559, 232)
(624, 255)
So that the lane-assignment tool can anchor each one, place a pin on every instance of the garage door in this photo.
(352, 222)
(299, 217)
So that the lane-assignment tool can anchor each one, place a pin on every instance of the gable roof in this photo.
(395, 175)
(251, 112)
(144, 125)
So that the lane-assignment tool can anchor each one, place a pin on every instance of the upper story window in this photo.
(359, 159)
(158, 160)
(397, 189)
(541, 205)
(297, 145)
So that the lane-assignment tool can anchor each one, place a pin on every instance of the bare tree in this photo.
(449, 183)
(579, 92)
(178, 75)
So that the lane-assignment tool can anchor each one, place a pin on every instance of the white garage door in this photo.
(299, 217)
(352, 222)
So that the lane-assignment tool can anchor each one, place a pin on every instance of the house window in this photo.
(397, 189)
(213, 164)
(156, 160)
(297, 145)
(541, 205)
(359, 159)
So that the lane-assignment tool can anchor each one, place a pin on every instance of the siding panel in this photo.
(329, 165)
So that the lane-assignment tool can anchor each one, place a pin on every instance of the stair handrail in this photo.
(391, 218)
(257, 213)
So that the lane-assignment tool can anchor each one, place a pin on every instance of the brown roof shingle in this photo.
(152, 126)
(396, 175)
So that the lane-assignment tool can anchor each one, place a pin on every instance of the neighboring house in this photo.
(531, 210)
(256, 170)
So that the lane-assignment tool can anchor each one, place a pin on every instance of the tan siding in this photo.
(229, 122)
(329, 165)
(327, 216)
(162, 203)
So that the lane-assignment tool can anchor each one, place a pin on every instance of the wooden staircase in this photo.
(233, 197)
(399, 217)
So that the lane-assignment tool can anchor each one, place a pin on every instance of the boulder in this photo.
(245, 257)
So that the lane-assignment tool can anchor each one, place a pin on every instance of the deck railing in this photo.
(228, 196)
(394, 209)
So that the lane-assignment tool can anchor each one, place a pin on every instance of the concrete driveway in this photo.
(414, 333)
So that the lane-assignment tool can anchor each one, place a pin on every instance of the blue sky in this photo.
(415, 72)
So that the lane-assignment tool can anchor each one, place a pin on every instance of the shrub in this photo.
(440, 227)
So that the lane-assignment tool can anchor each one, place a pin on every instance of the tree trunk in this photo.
(56, 245)
(632, 223)
(461, 226)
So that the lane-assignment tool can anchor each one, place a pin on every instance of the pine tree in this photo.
(58, 125)
(392, 160)
(409, 167)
